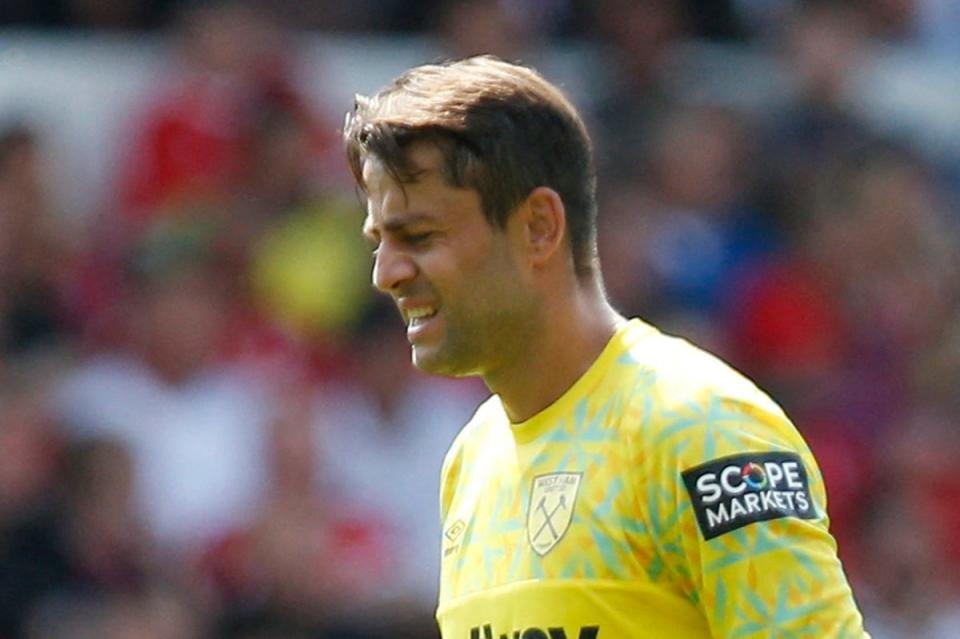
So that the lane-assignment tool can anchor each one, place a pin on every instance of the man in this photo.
(619, 483)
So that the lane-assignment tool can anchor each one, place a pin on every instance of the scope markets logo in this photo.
(731, 492)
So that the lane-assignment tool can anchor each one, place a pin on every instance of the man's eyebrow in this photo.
(409, 220)
(398, 224)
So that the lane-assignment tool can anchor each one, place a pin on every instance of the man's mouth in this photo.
(420, 315)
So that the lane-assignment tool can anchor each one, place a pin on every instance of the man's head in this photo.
(479, 175)
(502, 129)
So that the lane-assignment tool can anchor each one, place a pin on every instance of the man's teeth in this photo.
(417, 315)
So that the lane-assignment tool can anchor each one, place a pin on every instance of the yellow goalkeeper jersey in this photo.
(663, 495)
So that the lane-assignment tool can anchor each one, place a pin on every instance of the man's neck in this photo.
(568, 344)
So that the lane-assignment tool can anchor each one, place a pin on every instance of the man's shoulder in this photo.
(488, 413)
(485, 418)
(675, 371)
(488, 420)
(680, 391)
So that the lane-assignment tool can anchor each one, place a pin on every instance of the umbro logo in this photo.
(452, 534)
(455, 530)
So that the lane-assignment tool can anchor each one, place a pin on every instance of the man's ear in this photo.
(545, 222)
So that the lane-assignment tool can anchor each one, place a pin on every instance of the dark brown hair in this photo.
(503, 131)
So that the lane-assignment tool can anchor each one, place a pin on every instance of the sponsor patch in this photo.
(731, 492)
(554, 632)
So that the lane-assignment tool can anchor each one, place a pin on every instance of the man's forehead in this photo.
(391, 205)
(423, 160)
(374, 170)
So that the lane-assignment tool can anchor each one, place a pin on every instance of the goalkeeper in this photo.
(618, 483)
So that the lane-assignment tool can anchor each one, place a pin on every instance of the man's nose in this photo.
(391, 269)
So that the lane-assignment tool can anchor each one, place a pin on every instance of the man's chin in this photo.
(434, 361)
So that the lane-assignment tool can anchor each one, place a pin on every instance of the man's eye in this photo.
(419, 238)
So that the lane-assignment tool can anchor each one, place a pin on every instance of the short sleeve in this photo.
(737, 508)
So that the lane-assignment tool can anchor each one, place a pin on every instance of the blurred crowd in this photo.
(209, 426)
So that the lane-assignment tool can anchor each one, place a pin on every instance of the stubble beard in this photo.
(457, 353)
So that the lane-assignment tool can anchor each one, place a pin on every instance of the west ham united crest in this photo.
(552, 498)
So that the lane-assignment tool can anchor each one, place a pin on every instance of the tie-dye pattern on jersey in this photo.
(662, 496)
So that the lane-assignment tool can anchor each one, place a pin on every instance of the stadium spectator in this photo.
(482, 26)
(911, 593)
(379, 452)
(173, 375)
(637, 42)
(195, 424)
(35, 257)
(700, 180)
(156, 614)
(85, 543)
(232, 84)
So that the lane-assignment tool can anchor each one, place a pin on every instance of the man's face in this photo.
(454, 276)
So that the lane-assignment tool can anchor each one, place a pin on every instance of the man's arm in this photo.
(738, 509)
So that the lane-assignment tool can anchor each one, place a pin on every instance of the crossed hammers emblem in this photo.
(548, 517)
(552, 502)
